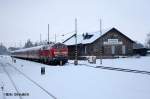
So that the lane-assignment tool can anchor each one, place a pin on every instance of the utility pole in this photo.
(76, 49)
(101, 42)
(20, 44)
(40, 38)
(15, 45)
(55, 37)
(48, 34)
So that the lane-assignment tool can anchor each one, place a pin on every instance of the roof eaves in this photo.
(68, 38)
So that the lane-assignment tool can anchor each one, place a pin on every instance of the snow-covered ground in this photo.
(78, 82)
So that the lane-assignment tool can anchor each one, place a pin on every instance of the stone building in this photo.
(110, 43)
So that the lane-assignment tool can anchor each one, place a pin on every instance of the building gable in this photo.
(114, 31)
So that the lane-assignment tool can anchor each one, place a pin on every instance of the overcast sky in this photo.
(26, 19)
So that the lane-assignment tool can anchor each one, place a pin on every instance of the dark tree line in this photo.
(28, 44)
(148, 40)
(3, 49)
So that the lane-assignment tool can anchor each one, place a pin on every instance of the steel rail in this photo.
(118, 69)
(10, 78)
(34, 82)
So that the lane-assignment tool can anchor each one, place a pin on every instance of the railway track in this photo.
(124, 70)
(34, 82)
(117, 69)
(11, 80)
(27, 77)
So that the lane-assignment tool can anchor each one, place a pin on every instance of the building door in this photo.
(112, 49)
(123, 49)
(85, 51)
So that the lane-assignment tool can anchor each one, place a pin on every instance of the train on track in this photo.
(53, 54)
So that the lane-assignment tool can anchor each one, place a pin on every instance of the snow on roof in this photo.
(81, 40)
(33, 48)
(61, 38)
(27, 49)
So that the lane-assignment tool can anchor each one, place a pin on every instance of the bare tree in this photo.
(148, 40)
(3, 49)
(28, 44)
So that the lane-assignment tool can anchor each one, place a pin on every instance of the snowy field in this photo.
(76, 82)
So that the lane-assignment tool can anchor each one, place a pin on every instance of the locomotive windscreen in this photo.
(59, 46)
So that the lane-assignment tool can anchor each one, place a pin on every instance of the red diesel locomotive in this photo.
(50, 54)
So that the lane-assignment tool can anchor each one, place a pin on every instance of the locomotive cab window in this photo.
(45, 47)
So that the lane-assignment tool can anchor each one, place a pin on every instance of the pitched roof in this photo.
(93, 36)
(82, 40)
